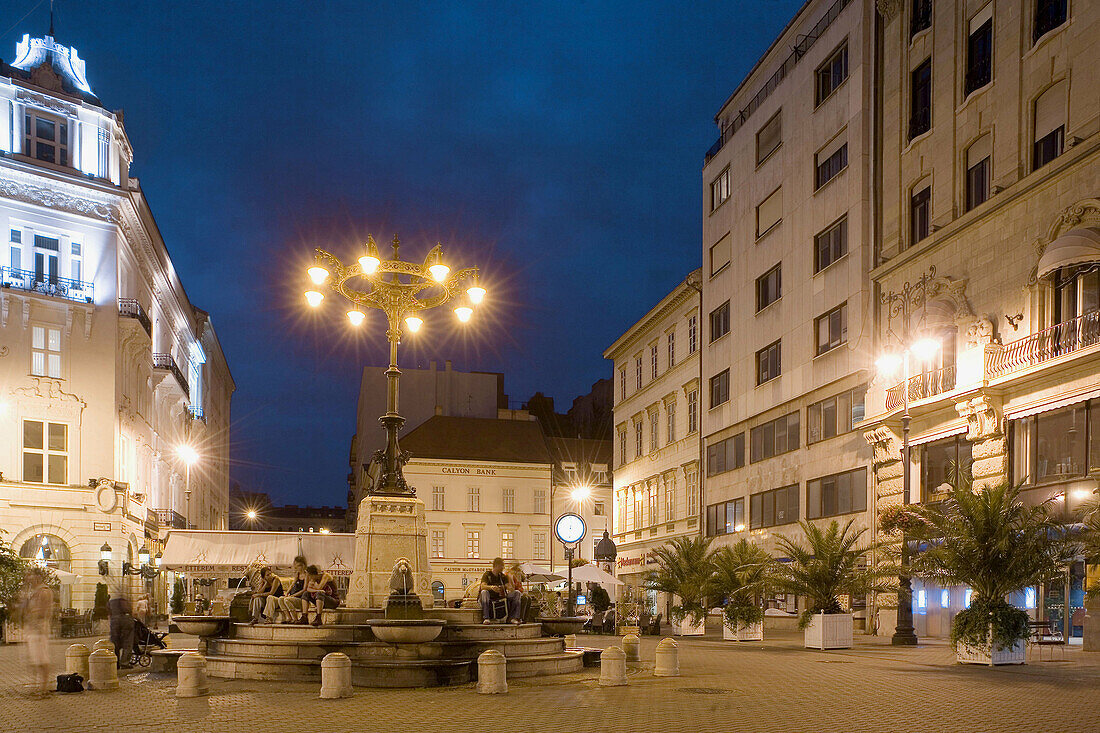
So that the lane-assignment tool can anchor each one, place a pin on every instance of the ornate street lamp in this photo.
(401, 290)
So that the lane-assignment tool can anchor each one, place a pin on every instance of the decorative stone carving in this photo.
(980, 333)
(953, 291)
(888, 9)
(884, 446)
(41, 101)
(984, 418)
(52, 198)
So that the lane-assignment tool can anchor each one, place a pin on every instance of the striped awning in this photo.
(1075, 247)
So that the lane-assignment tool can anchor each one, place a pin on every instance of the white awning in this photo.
(1027, 410)
(1075, 247)
(226, 552)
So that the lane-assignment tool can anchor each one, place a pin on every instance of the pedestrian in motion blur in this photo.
(37, 610)
(122, 627)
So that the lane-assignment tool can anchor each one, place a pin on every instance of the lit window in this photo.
(1029, 598)
(46, 352)
(438, 543)
(46, 138)
(945, 598)
(45, 452)
(508, 545)
(922, 602)
(473, 544)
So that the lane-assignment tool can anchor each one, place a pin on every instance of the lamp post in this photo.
(401, 290)
(189, 455)
(901, 305)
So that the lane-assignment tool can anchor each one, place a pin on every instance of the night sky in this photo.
(555, 145)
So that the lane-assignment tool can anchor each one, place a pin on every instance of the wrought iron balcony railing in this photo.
(1058, 340)
(171, 518)
(922, 386)
(165, 361)
(1048, 16)
(131, 308)
(77, 291)
(980, 74)
(921, 18)
(920, 121)
(196, 413)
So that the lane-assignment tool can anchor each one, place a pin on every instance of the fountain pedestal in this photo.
(389, 527)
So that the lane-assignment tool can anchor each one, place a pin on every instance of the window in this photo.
(1051, 446)
(720, 255)
(540, 545)
(831, 244)
(622, 446)
(691, 479)
(831, 74)
(920, 99)
(979, 51)
(1050, 117)
(841, 493)
(944, 464)
(671, 338)
(775, 507)
(508, 498)
(439, 494)
(75, 262)
(832, 329)
(768, 363)
(653, 361)
(638, 507)
(473, 499)
(720, 388)
(438, 543)
(670, 497)
(693, 334)
(651, 502)
(508, 545)
(473, 543)
(46, 352)
(726, 517)
(769, 212)
(45, 452)
(46, 250)
(46, 138)
(654, 424)
(774, 437)
(693, 411)
(726, 455)
(977, 172)
(720, 189)
(638, 370)
(622, 383)
(921, 17)
(920, 215)
(540, 494)
(834, 415)
(637, 438)
(1076, 292)
(828, 166)
(1049, 14)
(1049, 147)
(16, 236)
(769, 138)
(670, 422)
(720, 321)
(599, 509)
(769, 287)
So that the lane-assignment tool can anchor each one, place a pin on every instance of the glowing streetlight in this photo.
(189, 456)
(413, 322)
(317, 274)
(314, 298)
(463, 312)
(581, 493)
(369, 262)
(251, 514)
(476, 294)
(356, 317)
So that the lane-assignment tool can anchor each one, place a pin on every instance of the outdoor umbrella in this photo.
(538, 574)
(590, 573)
(65, 577)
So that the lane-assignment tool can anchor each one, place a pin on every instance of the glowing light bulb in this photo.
(925, 348)
(314, 298)
(317, 274)
(888, 364)
(413, 322)
(581, 493)
(439, 271)
(356, 317)
(252, 514)
(368, 263)
(476, 294)
(464, 312)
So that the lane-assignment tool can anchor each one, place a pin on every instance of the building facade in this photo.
(582, 484)
(657, 433)
(787, 233)
(106, 367)
(991, 223)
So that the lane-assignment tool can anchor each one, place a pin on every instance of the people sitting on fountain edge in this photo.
(294, 603)
(321, 592)
(496, 586)
(263, 602)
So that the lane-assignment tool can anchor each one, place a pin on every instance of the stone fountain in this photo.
(404, 624)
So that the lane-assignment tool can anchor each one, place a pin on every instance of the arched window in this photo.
(437, 590)
(50, 551)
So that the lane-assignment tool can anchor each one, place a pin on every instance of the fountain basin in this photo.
(406, 631)
(202, 625)
(562, 625)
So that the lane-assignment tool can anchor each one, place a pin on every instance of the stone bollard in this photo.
(570, 641)
(102, 670)
(668, 659)
(492, 673)
(335, 676)
(76, 660)
(191, 675)
(632, 647)
(104, 644)
(612, 667)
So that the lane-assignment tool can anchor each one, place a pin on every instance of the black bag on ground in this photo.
(70, 683)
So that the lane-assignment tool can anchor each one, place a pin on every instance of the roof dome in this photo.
(32, 53)
(605, 549)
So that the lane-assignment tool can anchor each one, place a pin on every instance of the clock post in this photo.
(570, 530)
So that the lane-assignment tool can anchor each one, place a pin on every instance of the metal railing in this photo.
(920, 122)
(131, 308)
(921, 18)
(1048, 16)
(165, 361)
(196, 413)
(978, 75)
(922, 386)
(39, 282)
(1058, 340)
(171, 518)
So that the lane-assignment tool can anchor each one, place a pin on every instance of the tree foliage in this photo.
(742, 572)
(11, 578)
(684, 568)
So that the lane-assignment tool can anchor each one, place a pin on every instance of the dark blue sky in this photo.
(556, 145)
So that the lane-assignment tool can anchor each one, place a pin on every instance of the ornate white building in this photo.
(106, 368)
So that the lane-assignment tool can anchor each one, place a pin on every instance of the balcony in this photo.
(920, 122)
(196, 413)
(167, 363)
(77, 291)
(979, 74)
(170, 518)
(131, 308)
(922, 386)
(1059, 340)
(921, 18)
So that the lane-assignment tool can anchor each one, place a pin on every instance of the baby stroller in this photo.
(145, 641)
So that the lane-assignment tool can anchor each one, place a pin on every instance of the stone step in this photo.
(343, 633)
(489, 632)
(546, 664)
(362, 615)
(369, 651)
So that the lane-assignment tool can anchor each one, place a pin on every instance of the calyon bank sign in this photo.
(470, 471)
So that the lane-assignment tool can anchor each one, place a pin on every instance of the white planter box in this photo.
(966, 654)
(752, 632)
(829, 631)
(687, 628)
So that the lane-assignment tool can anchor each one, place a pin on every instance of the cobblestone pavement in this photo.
(725, 686)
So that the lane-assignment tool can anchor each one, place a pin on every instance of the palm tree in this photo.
(1090, 540)
(986, 538)
(684, 568)
(741, 574)
(831, 563)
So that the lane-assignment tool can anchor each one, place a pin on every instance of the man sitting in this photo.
(495, 585)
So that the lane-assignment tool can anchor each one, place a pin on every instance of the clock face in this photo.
(569, 528)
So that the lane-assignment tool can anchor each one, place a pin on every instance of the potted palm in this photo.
(741, 573)
(991, 541)
(828, 564)
(684, 569)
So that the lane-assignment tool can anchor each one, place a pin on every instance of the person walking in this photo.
(122, 628)
(37, 611)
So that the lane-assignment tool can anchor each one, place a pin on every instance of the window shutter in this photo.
(980, 150)
(769, 212)
(1050, 110)
(720, 254)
